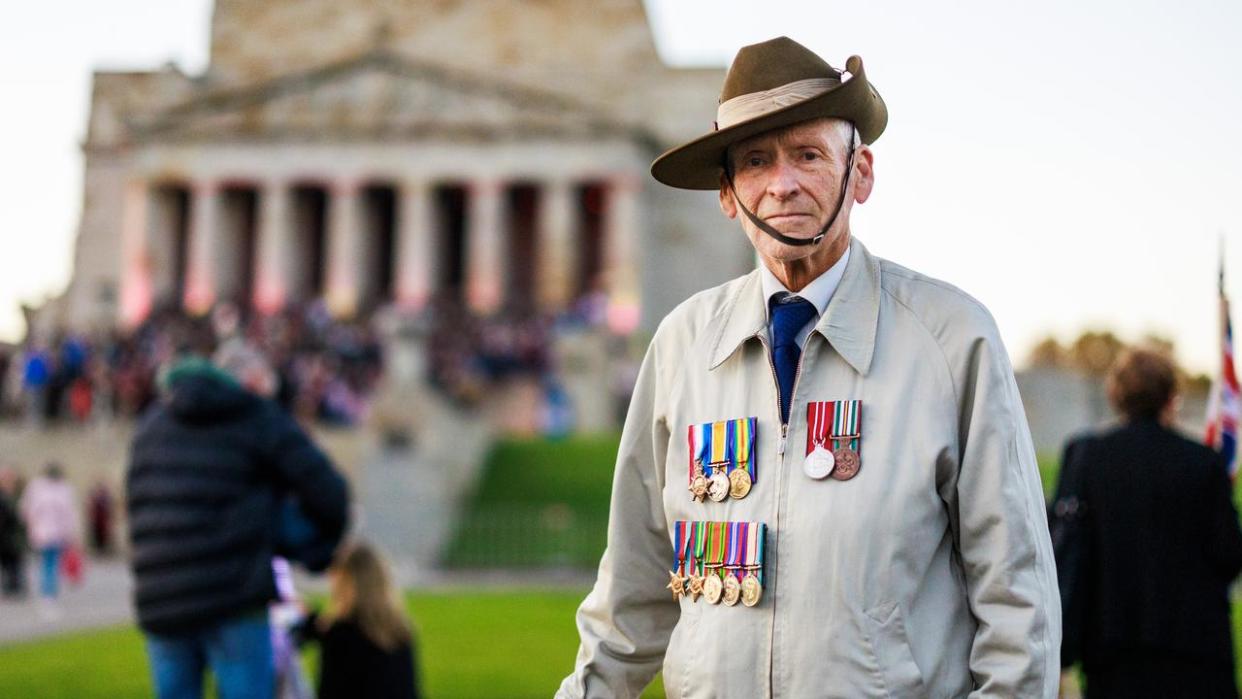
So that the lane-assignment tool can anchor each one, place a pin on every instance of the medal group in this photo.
(722, 562)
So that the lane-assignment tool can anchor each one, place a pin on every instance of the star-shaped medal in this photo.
(696, 587)
(677, 584)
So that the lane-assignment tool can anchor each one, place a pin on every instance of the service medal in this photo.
(847, 464)
(752, 591)
(713, 588)
(732, 590)
(677, 584)
(739, 483)
(698, 486)
(696, 587)
(819, 464)
(718, 486)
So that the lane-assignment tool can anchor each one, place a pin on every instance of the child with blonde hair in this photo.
(365, 640)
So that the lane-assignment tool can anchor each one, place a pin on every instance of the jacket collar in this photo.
(849, 323)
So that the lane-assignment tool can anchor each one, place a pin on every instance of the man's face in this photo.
(791, 179)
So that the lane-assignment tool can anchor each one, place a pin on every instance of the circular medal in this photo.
(819, 463)
(752, 591)
(713, 588)
(732, 590)
(739, 483)
(698, 486)
(847, 464)
(718, 487)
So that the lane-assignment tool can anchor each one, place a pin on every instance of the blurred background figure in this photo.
(365, 640)
(99, 511)
(1147, 543)
(12, 538)
(214, 468)
(50, 510)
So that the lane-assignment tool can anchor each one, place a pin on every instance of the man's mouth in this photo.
(780, 218)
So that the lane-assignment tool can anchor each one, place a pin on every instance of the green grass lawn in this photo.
(538, 503)
(472, 645)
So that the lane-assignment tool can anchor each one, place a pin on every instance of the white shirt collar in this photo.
(818, 292)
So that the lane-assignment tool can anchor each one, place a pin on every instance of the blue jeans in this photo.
(49, 583)
(238, 651)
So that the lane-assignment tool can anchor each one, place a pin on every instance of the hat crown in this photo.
(773, 63)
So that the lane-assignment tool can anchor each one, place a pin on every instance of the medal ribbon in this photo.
(690, 451)
(699, 544)
(719, 445)
(845, 418)
(760, 532)
(733, 562)
(718, 550)
(817, 416)
(742, 444)
(678, 544)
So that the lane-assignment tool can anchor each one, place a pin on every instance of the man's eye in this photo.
(754, 161)
(810, 155)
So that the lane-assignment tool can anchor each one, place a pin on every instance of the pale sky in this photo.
(1071, 164)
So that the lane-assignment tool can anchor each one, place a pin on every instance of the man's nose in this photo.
(784, 181)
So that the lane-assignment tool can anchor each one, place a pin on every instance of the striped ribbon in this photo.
(845, 418)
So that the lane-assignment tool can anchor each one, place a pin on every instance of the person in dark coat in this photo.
(12, 538)
(366, 646)
(1147, 544)
(212, 467)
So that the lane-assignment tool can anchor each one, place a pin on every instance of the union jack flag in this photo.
(1222, 413)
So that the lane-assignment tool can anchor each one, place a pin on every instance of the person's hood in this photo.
(200, 393)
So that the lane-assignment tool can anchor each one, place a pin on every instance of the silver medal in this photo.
(819, 463)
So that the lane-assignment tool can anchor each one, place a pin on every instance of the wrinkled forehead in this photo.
(827, 131)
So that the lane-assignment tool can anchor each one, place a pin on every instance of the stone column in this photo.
(484, 248)
(416, 245)
(555, 247)
(136, 282)
(201, 260)
(622, 234)
(343, 255)
(275, 249)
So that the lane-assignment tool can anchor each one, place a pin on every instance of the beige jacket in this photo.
(929, 574)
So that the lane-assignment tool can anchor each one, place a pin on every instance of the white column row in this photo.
(416, 248)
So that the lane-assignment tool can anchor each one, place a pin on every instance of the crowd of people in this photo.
(327, 368)
(43, 518)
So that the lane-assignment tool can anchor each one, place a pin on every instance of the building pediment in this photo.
(378, 96)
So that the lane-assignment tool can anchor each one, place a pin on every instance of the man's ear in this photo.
(728, 205)
(864, 180)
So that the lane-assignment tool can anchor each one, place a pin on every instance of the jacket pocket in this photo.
(679, 654)
(891, 645)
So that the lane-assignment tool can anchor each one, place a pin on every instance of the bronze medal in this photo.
(732, 590)
(698, 484)
(752, 591)
(718, 486)
(696, 587)
(677, 584)
(847, 464)
(739, 483)
(713, 588)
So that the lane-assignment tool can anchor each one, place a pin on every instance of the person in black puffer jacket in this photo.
(212, 469)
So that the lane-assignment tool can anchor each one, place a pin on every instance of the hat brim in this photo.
(699, 163)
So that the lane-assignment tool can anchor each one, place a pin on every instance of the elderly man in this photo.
(825, 461)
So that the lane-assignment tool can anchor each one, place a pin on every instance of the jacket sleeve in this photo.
(306, 472)
(625, 622)
(1000, 522)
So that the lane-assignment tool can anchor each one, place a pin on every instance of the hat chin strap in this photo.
(763, 226)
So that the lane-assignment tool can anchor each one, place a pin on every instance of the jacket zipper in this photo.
(780, 452)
